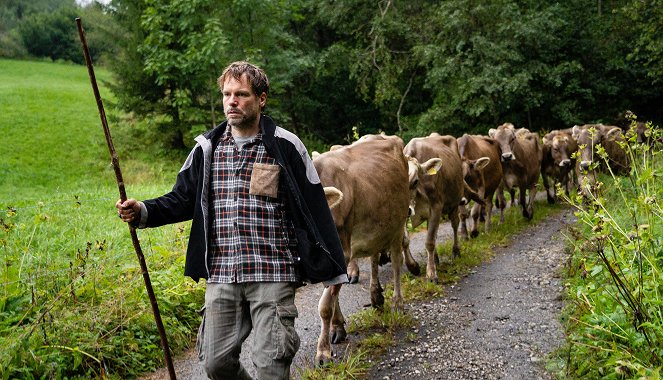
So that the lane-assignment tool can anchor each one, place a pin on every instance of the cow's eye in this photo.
(414, 184)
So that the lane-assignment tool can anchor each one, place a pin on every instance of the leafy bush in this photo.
(615, 319)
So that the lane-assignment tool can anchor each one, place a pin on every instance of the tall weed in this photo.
(615, 318)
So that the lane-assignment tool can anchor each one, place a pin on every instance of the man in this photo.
(261, 226)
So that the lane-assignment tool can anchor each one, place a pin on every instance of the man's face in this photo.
(240, 105)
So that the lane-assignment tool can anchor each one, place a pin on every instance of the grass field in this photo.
(72, 299)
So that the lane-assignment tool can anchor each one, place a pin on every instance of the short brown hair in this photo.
(256, 76)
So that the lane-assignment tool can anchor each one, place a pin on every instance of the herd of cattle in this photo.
(378, 183)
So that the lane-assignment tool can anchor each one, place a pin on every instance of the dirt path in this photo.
(496, 323)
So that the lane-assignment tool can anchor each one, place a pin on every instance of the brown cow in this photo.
(373, 178)
(439, 190)
(558, 162)
(521, 163)
(589, 137)
(483, 173)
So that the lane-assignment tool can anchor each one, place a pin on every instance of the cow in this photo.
(439, 190)
(482, 171)
(589, 137)
(558, 164)
(373, 178)
(410, 262)
(521, 164)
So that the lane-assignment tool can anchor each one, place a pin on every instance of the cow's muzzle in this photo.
(565, 163)
(508, 157)
(584, 165)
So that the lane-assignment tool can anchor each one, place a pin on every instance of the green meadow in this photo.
(72, 298)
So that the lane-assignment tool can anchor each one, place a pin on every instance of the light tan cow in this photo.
(410, 262)
(373, 178)
(521, 163)
(558, 165)
(439, 190)
(483, 173)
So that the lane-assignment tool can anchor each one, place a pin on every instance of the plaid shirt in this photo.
(252, 236)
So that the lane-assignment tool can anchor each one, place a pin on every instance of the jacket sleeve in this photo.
(320, 227)
(178, 204)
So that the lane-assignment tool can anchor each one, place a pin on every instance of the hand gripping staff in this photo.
(123, 197)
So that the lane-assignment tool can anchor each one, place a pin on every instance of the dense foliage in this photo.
(401, 67)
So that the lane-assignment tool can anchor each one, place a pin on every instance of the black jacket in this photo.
(319, 247)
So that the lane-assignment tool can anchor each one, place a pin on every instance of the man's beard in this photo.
(244, 122)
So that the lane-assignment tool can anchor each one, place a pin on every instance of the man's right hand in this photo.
(128, 210)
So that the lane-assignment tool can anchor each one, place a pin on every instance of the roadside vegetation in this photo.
(614, 317)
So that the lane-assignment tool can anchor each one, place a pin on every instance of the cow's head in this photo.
(589, 136)
(473, 174)
(505, 135)
(561, 147)
(421, 176)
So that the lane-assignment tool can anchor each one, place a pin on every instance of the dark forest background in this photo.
(402, 67)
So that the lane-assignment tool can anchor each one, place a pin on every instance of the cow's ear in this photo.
(575, 132)
(334, 196)
(491, 132)
(481, 163)
(432, 166)
(613, 133)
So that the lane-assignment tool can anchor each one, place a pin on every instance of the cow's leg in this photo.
(337, 331)
(524, 205)
(397, 263)
(410, 262)
(500, 201)
(530, 204)
(489, 212)
(431, 236)
(326, 307)
(453, 218)
(546, 184)
(463, 214)
(353, 271)
(377, 298)
(476, 215)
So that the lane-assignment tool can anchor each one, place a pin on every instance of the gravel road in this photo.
(498, 322)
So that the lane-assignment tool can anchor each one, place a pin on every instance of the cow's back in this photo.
(373, 176)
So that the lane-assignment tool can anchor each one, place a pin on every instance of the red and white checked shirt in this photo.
(252, 235)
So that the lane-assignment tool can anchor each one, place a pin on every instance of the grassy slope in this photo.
(55, 174)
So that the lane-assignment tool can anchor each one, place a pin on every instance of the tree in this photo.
(182, 45)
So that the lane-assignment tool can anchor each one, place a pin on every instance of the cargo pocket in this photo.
(200, 340)
(264, 180)
(284, 328)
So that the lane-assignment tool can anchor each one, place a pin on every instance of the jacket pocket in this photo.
(264, 180)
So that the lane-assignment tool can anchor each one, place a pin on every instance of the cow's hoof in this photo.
(414, 268)
(433, 280)
(377, 299)
(354, 279)
(321, 361)
(456, 251)
(551, 200)
(338, 335)
(475, 234)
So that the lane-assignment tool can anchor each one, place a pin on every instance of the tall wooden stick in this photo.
(123, 197)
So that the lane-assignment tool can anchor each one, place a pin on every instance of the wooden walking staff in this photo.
(123, 197)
